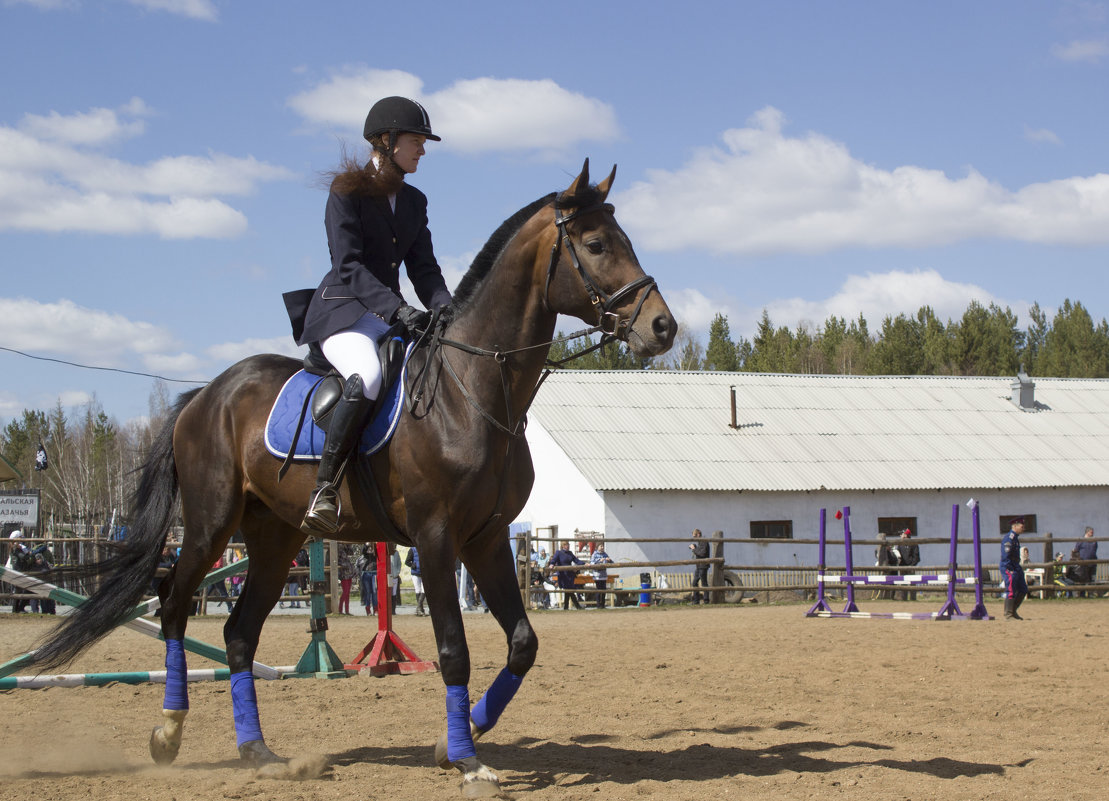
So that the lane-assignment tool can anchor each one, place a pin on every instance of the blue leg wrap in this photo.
(244, 705)
(177, 676)
(496, 698)
(460, 744)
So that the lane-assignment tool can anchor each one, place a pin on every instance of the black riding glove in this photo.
(415, 322)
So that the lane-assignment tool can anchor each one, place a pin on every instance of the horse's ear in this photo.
(581, 182)
(606, 184)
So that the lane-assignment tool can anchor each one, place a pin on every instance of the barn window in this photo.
(893, 526)
(1007, 523)
(771, 529)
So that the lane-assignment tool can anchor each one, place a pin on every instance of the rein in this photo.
(602, 302)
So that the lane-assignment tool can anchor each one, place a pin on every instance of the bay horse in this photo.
(455, 473)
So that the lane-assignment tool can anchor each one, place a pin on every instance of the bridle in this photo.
(602, 302)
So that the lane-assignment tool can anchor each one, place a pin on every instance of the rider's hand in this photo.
(415, 322)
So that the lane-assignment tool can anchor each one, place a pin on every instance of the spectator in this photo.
(20, 559)
(347, 572)
(566, 578)
(219, 588)
(237, 579)
(43, 561)
(1061, 573)
(600, 576)
(1085, 549)
(292, 585)
(413, 562)
(884, 557)
(394, 579)
(303, 560)
(1012, 574)
(367, 572)
(908, 554)
(700, 550)
(543, 559)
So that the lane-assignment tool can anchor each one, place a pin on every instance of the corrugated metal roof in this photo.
(656, 430)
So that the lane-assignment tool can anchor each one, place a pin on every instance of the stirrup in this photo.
(324, 508)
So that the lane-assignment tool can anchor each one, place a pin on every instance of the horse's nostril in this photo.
(662, 326)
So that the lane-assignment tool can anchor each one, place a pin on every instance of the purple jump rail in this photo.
(950, 608)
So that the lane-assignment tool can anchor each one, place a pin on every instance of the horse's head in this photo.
(594, 274)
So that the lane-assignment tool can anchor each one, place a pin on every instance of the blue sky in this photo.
(160, 160)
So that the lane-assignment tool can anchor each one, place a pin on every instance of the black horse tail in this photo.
(122, 579)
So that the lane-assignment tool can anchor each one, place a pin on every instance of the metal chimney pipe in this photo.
(735, 422)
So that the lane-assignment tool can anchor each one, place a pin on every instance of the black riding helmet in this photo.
(398, 114)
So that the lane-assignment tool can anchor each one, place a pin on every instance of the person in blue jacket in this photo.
(567, 579)
(1012, 574)
(374, 221)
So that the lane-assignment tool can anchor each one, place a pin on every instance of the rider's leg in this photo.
(353, 352)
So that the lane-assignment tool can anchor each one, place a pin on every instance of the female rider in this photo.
(374, 222)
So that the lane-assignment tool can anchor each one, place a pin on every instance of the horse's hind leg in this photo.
(211, 511)
(272, 545)
(198, 553)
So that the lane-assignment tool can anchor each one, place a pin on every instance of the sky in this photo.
(161, 161)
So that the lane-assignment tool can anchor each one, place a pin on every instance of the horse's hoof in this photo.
(441, 753)
(255, 754)
(441, 747)
(478, 781)
(162, 751)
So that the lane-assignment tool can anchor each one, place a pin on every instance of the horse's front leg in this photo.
(456, 748)
(494, 570)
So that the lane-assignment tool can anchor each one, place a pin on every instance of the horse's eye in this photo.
(595, 246)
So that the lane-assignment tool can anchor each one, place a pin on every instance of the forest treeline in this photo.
(93, 458)
(985, 341)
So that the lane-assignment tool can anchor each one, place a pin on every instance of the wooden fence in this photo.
(670, 580)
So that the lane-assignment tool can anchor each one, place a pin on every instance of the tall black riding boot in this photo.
(1017, 601)
(322, 517)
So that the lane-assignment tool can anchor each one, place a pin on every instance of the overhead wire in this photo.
(106, 369)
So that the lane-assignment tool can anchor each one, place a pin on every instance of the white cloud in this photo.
(77, 333)
(52, 178)
(764, 192)
(343, 100)
(878, 295)
(227, 353)
(1042, 135)
(874, 295)
(94, 127)
(73, 398)
(44, 5)
(472, 116)
(693, 310)
(193, 9)
(1089, 51)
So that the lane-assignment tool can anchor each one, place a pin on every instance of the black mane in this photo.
(485, 259)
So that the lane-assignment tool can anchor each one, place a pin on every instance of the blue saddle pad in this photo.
(285, 416)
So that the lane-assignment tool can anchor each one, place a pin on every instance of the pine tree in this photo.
(721, 352)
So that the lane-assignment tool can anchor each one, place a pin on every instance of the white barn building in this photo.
(653, 454)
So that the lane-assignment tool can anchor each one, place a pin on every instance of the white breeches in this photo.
(354, 350)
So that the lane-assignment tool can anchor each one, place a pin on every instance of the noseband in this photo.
(609, 322)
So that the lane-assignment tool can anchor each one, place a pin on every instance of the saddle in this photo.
(298, 420)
